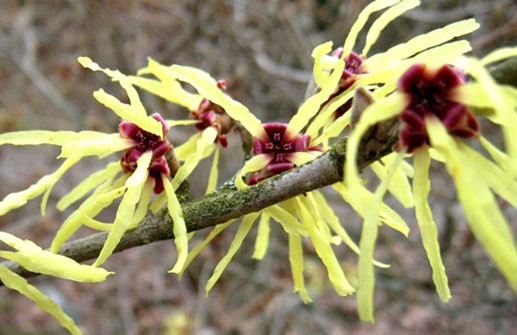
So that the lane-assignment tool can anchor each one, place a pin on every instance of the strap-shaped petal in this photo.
(37, 137)
(287, 220)
(361, 21)
(127, 112)
(399, 186)
(101, 198)
(428, 230)
(324, 250)
(33, 258)
(168, 87)
(479, 205)
(322, 118)
(240, 235)
(18, 283)
(296, 262)
(214, 172)
(262, 240)
(312, 105)
(201, 245)
(207, 87)
(332, 220)
(499, 181)
(100, 147)
(366, 275)
(203, 144)
(125, 212)
(44, 185)
(88, 184)
(179, 228)
(323, 63)
(498, 55)
(383, 20)
(421, 43)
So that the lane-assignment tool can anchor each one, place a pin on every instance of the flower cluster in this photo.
(432, 101)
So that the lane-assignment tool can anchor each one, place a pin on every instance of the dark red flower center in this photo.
(145, 141)
(280, 144)
(431, 93)
(352, 68)
(210, 114)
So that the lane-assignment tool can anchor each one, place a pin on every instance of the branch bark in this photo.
(222, 206)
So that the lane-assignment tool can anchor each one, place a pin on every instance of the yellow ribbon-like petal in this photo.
(479, 205)
(256, 163)
(320, 70)
(199, 247)
(18, 283)
(35, 259)
(399, 185)
(204, 143)
(325, 253)
(179, 228)
(288, 221)
(207, 87)
(101, 198)
(126, 210)
(361, 21)
(428, 231)
(312, 105)
(127, 112)
(498, 55)
(88, 184)
(240, 235)
(383, 20)
(44, 185)
(262, 240)
(420, 43)
(366, 275)
(296, 261)
(168, 87)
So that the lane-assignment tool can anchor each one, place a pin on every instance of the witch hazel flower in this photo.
(148, 165)
(281, 146)
(378, 70)
(145, 141)
(378, 73)
(437, 107)
(208, 115)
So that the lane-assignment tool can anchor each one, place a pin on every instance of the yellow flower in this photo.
(436, 105)
(143, 168)
(382, 69)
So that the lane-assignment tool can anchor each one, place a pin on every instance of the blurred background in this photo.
(262, 49)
